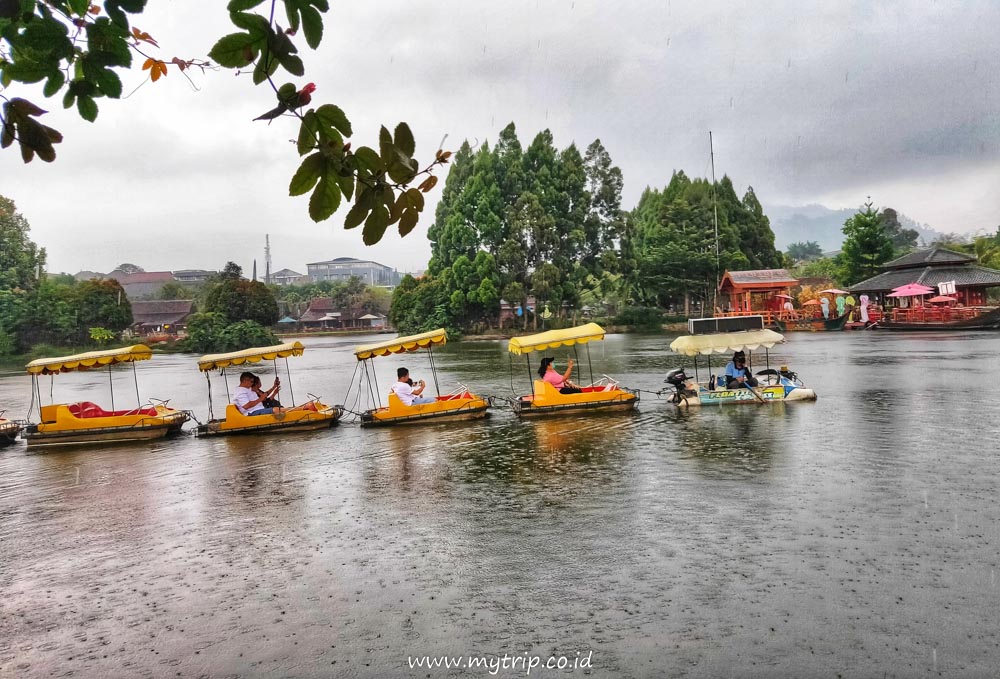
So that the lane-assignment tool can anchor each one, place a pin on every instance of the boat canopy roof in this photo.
(401, 344)
(255, 355)
(555, 338)
(720, 343)
(91, 359)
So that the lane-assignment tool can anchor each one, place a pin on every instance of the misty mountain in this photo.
(801, 223)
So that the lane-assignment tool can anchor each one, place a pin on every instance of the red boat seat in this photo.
(86, 409)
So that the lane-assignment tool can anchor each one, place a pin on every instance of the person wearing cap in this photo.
(738, 376)
(548, 372)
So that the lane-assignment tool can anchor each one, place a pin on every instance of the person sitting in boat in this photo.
(548, 372)
(738, 376)
(250, 402)
(409, 393)
(271, 395)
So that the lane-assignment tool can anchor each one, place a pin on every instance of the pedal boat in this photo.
(460, 404)
(774, 385)
(603, 395)
(315, 415)
(64, 424)
(8, 430)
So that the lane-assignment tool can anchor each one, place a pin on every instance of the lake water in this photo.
(857, 536)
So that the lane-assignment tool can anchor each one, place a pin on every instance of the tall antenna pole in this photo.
(715, 219)
(267, 259)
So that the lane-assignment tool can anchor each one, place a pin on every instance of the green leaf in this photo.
(114, 9)
(26, 72)
(362, 206)
(385, 147)
(108, 44)
(307, 133)
(240, 5)
(292, 64)
(255, 24)
(109, 83)
(79, 7)
(230, 51)
(400, 173)
(404, 139)
(287, 94)
(292, 12)
(55, 82)
(375, 225)
(415, 199)
(367, 158)
(359, 211)
(87, 108)
(331, 116)
(312, 26)
(325, 199)
(346, 185)
(407, 222)
(266, 67)
(305, 178)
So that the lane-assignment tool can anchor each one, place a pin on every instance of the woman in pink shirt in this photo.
(561, 382)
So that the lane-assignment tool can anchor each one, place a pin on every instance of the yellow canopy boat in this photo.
(601, 395)
(87, 422)
(307, 417)
(460, 404)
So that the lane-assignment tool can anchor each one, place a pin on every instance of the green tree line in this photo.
(517, 223)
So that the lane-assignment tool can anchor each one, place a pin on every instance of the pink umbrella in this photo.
(942, 298)
(911, 290)
(784, 296)
(834, 291)
(812, 301)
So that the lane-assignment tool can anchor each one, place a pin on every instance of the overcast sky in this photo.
(808, 102)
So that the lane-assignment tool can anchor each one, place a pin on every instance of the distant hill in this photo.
(801, 223)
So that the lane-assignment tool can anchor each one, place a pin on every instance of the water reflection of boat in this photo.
(311, 416)
(774, 385)
(87, 422)
(601, 395)
(459, 404)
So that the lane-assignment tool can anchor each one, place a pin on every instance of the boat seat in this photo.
(86, 409)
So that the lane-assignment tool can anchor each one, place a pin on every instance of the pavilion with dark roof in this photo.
(931, 267)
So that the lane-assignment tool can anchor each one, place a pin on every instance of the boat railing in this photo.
(944, 314)
(605, 381)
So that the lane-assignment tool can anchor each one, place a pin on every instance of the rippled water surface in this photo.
(856, 536)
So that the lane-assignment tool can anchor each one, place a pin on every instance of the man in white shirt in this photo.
(408, 393)
(248, 402)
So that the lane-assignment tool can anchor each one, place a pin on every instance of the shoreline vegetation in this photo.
(18, 361)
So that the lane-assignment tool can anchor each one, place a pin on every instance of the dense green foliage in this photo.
(516, 223)
(78, 48)
(352, 297)
(34, 309)
(547, 224)
(804, 251)
(866, 247)
(671, 240)
(20, 259)
(243, 300)
(212, 332)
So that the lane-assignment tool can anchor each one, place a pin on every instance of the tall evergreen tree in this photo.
(866, 246)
